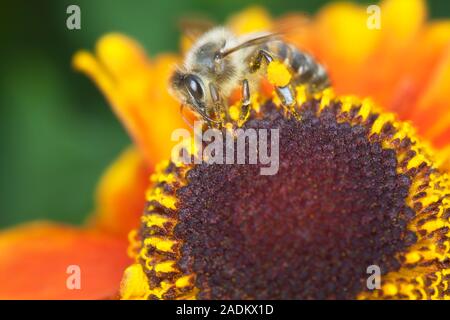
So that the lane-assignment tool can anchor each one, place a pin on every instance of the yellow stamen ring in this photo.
(424, 271)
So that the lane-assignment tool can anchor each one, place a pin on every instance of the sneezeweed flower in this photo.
(362, 181)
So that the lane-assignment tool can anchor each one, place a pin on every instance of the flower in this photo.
(187, 248)
(369, 192)
(35, 257)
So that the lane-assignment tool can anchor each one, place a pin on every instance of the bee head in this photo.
(189, 89)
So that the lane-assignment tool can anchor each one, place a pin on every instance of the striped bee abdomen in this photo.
(305, 69)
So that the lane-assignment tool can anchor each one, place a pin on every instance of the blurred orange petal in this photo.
(401, 20)
(344, 43)
(426, 54)
(433, 117)
(34, 262)
(120, 197)
(136, 88)
(298, 29)
(401, 23)
(252, 19)
(444, 154)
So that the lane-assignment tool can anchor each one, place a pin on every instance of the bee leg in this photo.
(286, 93)
(256, 62)
(287, 98)
(218, 103)
(245, 109)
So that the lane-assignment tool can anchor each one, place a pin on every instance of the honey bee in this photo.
(219, 62)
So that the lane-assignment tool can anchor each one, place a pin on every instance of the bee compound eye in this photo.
(193, 84)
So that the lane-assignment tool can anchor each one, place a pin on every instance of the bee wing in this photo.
(291, 23)
(284, 27)
(294, 28)
(195, 26)
(257, 40)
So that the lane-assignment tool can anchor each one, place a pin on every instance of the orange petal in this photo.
(433, 117)
(427, 53)
(120, 197)
(344, 43)
(297, 29)
(444, 155)
(401, 20)
(34, 262)
(401, 23)
(137, 90)
(252, 19)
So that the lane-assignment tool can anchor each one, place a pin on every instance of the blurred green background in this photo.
(57, 133)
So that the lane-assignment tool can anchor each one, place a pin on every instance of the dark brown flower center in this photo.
(335, 207)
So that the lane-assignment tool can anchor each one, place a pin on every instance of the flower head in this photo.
(356, 188)
(362, 181)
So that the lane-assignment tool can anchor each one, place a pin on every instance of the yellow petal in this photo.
(120, 197)
(253, 19)
(401, 22)
(137, 90)
(344, 42)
